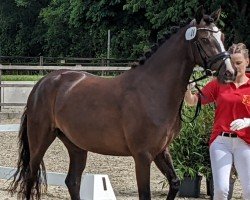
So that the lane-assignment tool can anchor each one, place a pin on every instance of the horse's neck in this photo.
(162, 80)
(170, 68)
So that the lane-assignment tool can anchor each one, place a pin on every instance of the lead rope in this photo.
(199, 94)
(197, 109)
(198, 106)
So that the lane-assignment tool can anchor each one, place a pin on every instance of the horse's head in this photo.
(208, 47)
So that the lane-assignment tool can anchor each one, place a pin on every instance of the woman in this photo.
(230, 138)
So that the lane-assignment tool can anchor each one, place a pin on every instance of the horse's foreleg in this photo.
(164, 163)
(142, 168)
(78, 159)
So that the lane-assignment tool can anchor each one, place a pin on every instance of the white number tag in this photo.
(191, 33)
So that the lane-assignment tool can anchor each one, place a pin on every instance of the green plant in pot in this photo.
(189, 154)
(207, 115)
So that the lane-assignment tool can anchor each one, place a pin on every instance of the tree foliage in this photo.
(79, 28)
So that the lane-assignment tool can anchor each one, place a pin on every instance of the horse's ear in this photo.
(199, 14)
(193, 22)
(216, 15)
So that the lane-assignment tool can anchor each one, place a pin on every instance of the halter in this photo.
(209, 61)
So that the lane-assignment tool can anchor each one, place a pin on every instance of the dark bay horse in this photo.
(134, 114)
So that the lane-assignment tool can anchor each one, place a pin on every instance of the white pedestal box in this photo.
(96, 187)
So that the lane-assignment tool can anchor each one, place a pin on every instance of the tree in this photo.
(79, 28)
(234, 20)
(20, 29)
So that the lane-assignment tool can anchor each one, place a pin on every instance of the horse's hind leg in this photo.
(78, 159)
(164, 163)
(40, 138)
(35, 137)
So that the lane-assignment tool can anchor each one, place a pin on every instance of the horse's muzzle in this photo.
(229, 77)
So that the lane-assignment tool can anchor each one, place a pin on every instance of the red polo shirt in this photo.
(231, 103)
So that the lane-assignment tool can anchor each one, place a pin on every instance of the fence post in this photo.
(102, 64)
(41, 64)
(41, 61)
(108, 48)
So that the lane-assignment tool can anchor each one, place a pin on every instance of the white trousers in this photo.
(225, 151)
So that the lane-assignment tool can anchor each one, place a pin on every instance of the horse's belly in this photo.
(95, 129)
(97, 146)
(106, 141)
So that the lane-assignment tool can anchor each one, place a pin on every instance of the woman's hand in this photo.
(190, 99)
(239, 124)
(191, 86)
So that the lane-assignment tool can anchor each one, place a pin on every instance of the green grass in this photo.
(21, 77)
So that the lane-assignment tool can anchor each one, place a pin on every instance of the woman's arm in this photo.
(209, 93)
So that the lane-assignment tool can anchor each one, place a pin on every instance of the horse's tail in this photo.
(21, 178)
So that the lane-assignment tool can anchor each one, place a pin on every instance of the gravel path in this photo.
(120, 171)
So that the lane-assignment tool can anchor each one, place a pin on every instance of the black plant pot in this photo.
(209, 185)
(210, 188)
(190, 187)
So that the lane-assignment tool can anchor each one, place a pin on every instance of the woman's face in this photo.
(240, 63)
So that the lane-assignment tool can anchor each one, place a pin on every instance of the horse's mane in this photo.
(172, 30)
